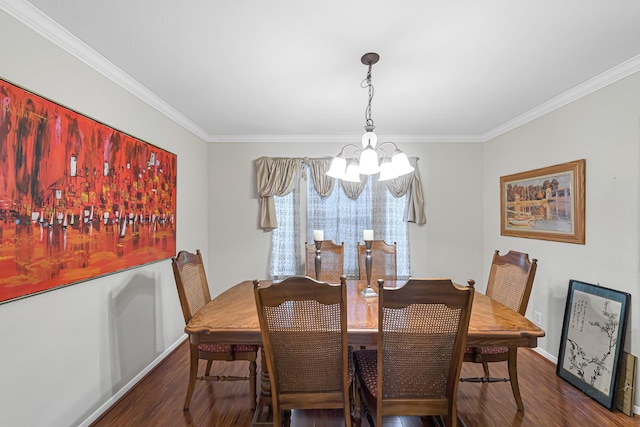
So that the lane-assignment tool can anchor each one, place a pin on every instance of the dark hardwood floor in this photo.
(549, 401)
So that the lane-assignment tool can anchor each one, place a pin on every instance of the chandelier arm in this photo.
(350, 145)
(358, 149)
(381, 151)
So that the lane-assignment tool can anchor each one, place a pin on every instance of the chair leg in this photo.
(367, 413)
(252, 383)
(208, 369)
(354, 401)
(360, 404)
(348, 416)
(445, 421)
(357, 405)
(277, 417)
(193, 372)
(485, 367)
(513, 376)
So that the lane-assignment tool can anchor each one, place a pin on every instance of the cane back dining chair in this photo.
(383, 261)
(510, 282)
(193, 291)
(423, 329)
(303, 323)
(331, 261)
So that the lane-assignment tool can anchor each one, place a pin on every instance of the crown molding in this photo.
(341, 139)
(32, 17)
(600, 81)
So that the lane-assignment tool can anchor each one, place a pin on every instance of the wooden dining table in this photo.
(232, 317)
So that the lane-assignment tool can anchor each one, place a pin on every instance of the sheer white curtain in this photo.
(285, 250)
(389, 223)
(344, 219)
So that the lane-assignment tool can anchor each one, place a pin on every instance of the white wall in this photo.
(63, 353)
(604, 129)
(449, 245)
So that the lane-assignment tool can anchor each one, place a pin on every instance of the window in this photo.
(342, 220)
(285, 249)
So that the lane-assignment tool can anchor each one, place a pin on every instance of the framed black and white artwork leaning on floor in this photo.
(592, 340)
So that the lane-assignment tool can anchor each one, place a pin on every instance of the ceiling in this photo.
(461, 70)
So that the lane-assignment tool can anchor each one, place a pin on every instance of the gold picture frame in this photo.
(546, 203)
(78, 198)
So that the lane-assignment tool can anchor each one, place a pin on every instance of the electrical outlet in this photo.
(537, 318)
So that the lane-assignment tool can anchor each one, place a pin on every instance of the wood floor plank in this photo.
(549, 401)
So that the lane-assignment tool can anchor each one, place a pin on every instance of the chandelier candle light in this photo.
(368, 238)
(369, 160)
(318, 238)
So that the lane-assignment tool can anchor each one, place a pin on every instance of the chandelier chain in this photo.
(366, 83)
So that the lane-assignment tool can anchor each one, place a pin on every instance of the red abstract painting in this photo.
(78, 199)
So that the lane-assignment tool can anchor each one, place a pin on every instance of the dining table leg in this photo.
(193, 373)
(264, 411)
(512, 363)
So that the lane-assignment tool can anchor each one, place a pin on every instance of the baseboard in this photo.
(124, 390)
(541, 352)
(546, 355)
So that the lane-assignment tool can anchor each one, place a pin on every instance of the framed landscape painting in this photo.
(592, 340)
(546, 203)
(78, 199)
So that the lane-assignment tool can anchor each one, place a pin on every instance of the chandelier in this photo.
(370, 159)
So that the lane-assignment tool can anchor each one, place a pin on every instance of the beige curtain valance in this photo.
(278, 176)
(318, 169)
(353, 189)
(410, 183)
